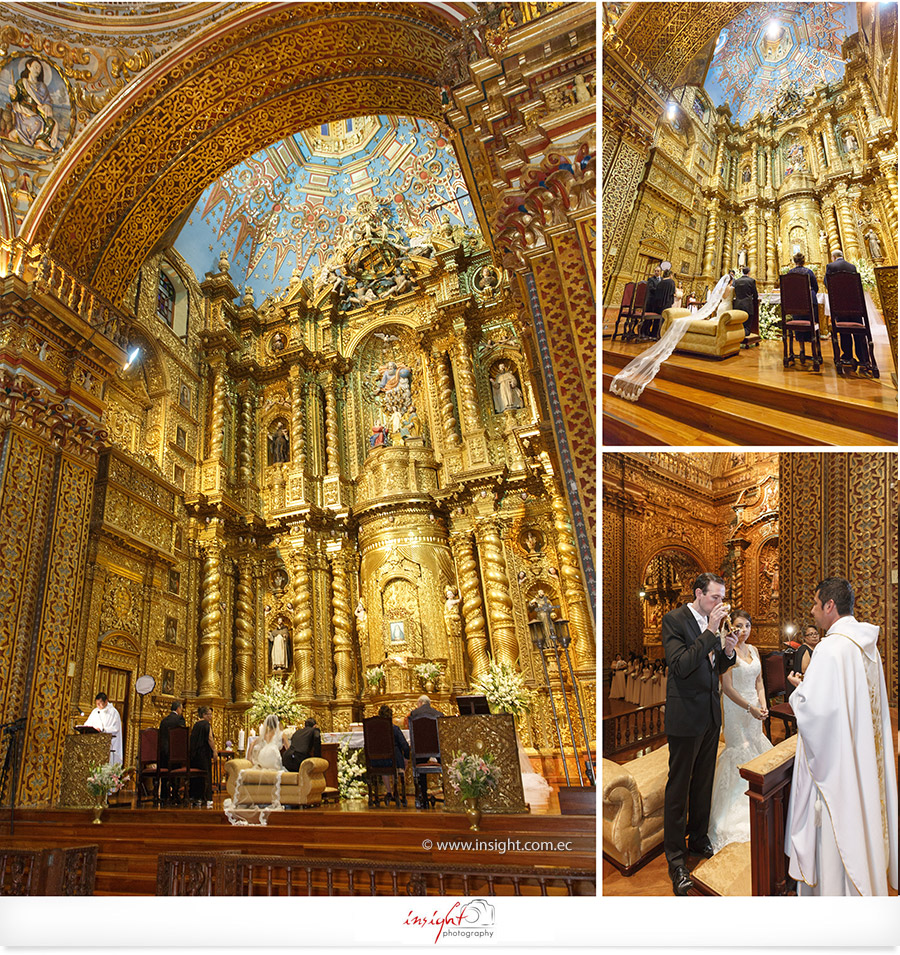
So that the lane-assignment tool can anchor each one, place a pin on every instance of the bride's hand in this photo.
(755, 712)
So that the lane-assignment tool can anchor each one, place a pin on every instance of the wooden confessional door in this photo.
(115, 683)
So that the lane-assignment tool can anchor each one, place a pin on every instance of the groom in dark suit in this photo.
(745, 297)
(695, 657)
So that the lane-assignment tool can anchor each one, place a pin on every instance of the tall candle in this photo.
(241, 739)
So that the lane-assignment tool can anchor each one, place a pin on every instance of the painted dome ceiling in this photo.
(774, 47)
(285, 208)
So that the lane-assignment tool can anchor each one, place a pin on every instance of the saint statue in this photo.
(850, 143)
(507, 393)
(873, 245)
(278, 644)
(541, 607)
(742, 257)
(279, 445)
(361, 616)
(452, 618)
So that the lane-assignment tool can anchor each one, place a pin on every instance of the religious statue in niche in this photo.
(487, 280)
(279, 443)
(393, 393)
(279, 580)
(794, 156)
(874, 246)
(397, 630)
(37, 119)
(745, 175)
(362, 617)
(532, 541)
(543, 610)
(279, 645)
(278, 342)
(742, 257)
(506, 390)
(850, 143)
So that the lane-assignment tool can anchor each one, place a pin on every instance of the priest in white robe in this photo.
(842, 818)
(105, 718)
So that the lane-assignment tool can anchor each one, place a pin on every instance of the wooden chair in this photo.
(624, 307)
(149, 772)
(849, 316)
(381, 760)
(636, 313)
(776, 694)
(180, 769)
(799, 315)
(424, 744)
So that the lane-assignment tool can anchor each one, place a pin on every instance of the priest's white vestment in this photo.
(108, 720)
(842, 818)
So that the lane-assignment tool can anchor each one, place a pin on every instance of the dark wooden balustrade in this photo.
(625, 730)
(48, 871)
(234, 874)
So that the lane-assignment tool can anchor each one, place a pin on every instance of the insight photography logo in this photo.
(473, 919)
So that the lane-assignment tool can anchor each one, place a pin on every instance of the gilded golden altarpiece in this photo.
(689, 185)
(773, 525)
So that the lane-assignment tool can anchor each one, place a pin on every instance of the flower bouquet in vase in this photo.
(375, 679)
(429, 673)
(505, 690)
(102, 780)
(471, 777)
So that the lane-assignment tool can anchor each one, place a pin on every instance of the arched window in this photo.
(165, 300)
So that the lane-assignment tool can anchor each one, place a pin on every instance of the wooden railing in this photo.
(625, 730)
(233, 874)
(51, 871)
(769, 778)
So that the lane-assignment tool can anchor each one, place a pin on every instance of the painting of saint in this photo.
(398, 631)
(37, 115)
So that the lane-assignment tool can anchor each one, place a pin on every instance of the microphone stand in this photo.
(539, 641)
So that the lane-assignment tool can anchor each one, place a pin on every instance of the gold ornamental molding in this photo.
(248, 80)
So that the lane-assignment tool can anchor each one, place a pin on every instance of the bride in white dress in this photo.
(636, 375)
(264, 752)
(744, 707)
(268, 756)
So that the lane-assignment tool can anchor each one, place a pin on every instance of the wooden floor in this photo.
(131, 839)
(750, 399)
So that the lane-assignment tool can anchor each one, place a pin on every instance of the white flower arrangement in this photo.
(866, 272)
(505, 689)
(278, 698)
(375, 676)
(350, 773)
(105, 778)
(429, 671)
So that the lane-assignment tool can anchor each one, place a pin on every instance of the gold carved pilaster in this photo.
(771, 267)
(848, 227)
(709, 252)
(340, 618)
(445, 393)
(496, 586)
(304, 664)
(245, 626)
(473, 609)
(298, 431)
(473, 433)
(211, 622)
(887, 163)
(245, 458)
(332, 449)
(217, 437)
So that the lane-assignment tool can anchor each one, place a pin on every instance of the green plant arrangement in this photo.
(769, 321)
(375, 676)
(350, 773)
(505, 689)
(429, 672)
(104, 779)
(472, 776)
(278, 698)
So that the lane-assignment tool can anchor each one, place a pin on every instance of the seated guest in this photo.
(745, 296)
(203, 751)
(839, 264)
(423, 709)
(401, 748)
(800, 267)
(306, 742)
(170, 721)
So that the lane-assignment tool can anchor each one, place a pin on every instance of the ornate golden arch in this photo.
(247, 81)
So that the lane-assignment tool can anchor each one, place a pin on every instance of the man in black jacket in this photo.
(171, 721)
(745, 297)
(695, 658)
(839, 264)
(661, 298)
(800, 267)
(306, 742)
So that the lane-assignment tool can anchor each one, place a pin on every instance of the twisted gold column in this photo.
(445, 392)
(298, 432)
(496, 586)
(771, 264)
(769, 175)
(465, 380)
(304, 660)
(831, 227)
(211, 623)
(581, 628)
(244, 456)
(869, 106)
(709, 252)
(752, 240)
(340, 618)
(473, 609)
(848, 228)
(217, 439)
(820, 151)
(245, 625)
(331, 429)
(838, 160)
(726, 248)
(887, 163)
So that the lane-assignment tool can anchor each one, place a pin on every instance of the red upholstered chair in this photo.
(776, 694)
(624, 308)
(424, 744)
(148, 770)
(636, 312)
(849, 316)
(180, 761)
(799, 316)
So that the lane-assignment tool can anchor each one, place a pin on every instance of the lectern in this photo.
(81, 753)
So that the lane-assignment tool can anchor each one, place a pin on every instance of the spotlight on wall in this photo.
(642, 593)
(132, 358)
(773, 29)
(672, 110)
(789, 629)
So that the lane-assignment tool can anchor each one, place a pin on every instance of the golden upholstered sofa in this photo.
(633, 797)
(717, 338)
(303, 788)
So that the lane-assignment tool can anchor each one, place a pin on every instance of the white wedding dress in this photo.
(729, 815)
(636, 375)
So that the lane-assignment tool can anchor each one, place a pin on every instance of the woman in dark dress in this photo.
(401, 750)
(803, 655)
(203, 750)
